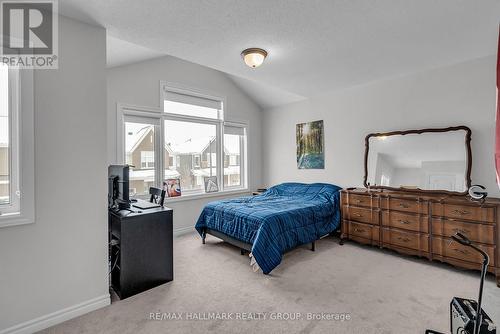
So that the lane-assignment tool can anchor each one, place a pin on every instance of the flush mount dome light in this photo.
(254, 57)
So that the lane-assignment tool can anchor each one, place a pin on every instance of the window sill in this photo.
(8, 220)
(206, 195)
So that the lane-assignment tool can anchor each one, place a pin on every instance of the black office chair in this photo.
(157, 195)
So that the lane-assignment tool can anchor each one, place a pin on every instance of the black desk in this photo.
(143, 250)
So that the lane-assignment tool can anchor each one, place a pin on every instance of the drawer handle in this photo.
(359, 230)
(404, 222)
(359, 201)
(403, 205)
(458, 230)
(405, 239)
(460, 212)
(358, 215)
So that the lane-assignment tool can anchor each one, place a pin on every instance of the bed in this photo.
(268, 225)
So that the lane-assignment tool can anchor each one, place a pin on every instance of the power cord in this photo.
(113, 243)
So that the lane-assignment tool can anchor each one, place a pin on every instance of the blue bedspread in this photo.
(285, 216)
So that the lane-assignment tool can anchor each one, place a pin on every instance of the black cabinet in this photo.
(141, 249)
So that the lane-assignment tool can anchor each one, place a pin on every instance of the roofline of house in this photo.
(170, 150)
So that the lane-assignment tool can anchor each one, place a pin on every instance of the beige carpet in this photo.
(380, 290)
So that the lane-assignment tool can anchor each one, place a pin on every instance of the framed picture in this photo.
(172, 187)
(310, 145)
(211, 185)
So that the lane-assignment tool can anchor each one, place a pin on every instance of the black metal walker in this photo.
(466, 315)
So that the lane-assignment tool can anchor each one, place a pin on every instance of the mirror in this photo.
(430, 160)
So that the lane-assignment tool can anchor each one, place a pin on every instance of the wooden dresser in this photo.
(421, 224)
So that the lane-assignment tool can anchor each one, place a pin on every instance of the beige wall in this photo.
(56, 268)
(139, 84)
(462, 94)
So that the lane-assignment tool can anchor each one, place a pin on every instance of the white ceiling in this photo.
(120, 52)
(264, 95)
(315, 46)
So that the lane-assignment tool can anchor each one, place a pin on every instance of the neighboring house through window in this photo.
(197, 159)
(5, 141)
(147, 159)
(139, 149)
(16, 153)
(234, 146)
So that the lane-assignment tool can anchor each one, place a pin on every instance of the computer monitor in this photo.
(118, 186)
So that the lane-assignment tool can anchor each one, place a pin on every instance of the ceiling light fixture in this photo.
(254, 57)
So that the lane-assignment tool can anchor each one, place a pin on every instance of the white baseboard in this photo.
(180, 231)
(57, 317)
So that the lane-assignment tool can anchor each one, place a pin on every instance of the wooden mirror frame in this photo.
(432, 130)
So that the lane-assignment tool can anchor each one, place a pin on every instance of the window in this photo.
(385, 180)
(16, 180)
(233, 160)
(5, 173)
(147, 159)
(196, 162)
(189, 110)
(188, 141)
(192, 142)
(140, 154)
(190, 103)
(9, 149)
(234, 145)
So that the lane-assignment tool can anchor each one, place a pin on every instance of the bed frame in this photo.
(243, 246)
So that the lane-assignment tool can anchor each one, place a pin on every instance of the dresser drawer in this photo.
(404, 205)
(476, 232)
(480, 214)
(449, 248)
(366, 231)
(360, 200)
(406, 221)
(416, 241)
(362, 215)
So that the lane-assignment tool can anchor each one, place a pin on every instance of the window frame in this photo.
(243, 154)
(134, 114)
(13, 147)
(124, 111)
(199, 120)
(21, 208)
(167, 86)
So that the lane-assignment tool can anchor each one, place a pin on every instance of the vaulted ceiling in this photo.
(314, 46)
